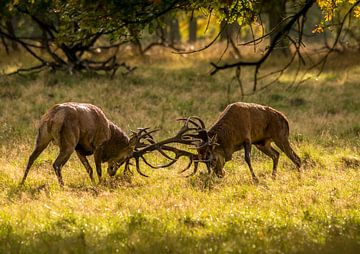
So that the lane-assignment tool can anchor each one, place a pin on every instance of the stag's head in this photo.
(134, 143)
(208, 150)
(122, 156)
(210, 153)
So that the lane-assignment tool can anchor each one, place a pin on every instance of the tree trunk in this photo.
(5, 45)
(192, 29)
(174, 35)
(276, 15)
(229, 30)
(11, 32)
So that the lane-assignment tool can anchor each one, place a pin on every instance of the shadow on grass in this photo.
(35, 190)
(15, 191)
(140, 234)
(204, 181)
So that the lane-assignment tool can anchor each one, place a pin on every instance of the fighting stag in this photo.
(84, 128)
(239, 126)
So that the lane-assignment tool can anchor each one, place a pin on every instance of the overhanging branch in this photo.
(279, 35)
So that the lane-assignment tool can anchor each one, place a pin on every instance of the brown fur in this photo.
(242, 124)
(85, 129)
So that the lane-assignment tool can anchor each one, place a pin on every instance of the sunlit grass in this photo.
(315, 211)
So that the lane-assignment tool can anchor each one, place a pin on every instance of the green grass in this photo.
(317, 211)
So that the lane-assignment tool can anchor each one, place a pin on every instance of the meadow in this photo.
(316, 211)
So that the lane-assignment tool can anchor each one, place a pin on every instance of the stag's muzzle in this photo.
(113, 168)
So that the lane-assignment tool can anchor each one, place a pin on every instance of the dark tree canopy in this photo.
(58, 33)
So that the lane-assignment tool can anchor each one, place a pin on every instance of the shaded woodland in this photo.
(87, 36)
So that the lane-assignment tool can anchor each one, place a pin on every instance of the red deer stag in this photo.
(85, 129)
(239, 126)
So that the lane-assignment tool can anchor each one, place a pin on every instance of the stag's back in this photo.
(86, 120)
(248, 121)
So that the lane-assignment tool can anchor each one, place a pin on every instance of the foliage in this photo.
(67, 30)
(83, 35)
(73, 28)
(338, 8)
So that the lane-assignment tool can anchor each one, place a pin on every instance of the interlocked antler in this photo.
(188, 135)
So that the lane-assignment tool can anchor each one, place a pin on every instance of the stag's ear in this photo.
(213, 142)
(214, 139)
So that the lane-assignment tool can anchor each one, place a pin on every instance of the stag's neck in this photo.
(118, 136)
(224, 137)
(221, 130)
(118, 140)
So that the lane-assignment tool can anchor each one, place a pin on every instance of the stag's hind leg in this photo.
(247, 147)
(284, 145)
(63, 157)
(42, 141)
(67, 140)
(272, 153)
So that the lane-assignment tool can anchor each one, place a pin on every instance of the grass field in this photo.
(317, 211)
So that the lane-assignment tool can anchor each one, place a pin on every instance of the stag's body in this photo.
(85, 129)
(242, 124)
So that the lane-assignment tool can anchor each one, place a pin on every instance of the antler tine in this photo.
(178, 152)
(189, 120)
(127, 167)
(193, 159)
(196, 165)
(140, 145)
(152, 142)
(137, 166)
(192, 138)
(188, 166)
(165, 155)
(143, 132)
(210, 142)
(158, 166)
(147, 133)
(200, 121)
(139, 131)
(185, 128)
(143, 129)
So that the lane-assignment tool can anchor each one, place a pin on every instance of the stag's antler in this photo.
(188, 135)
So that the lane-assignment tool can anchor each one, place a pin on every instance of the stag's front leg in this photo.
(98, 159)
(87, 166)
(247, 147)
